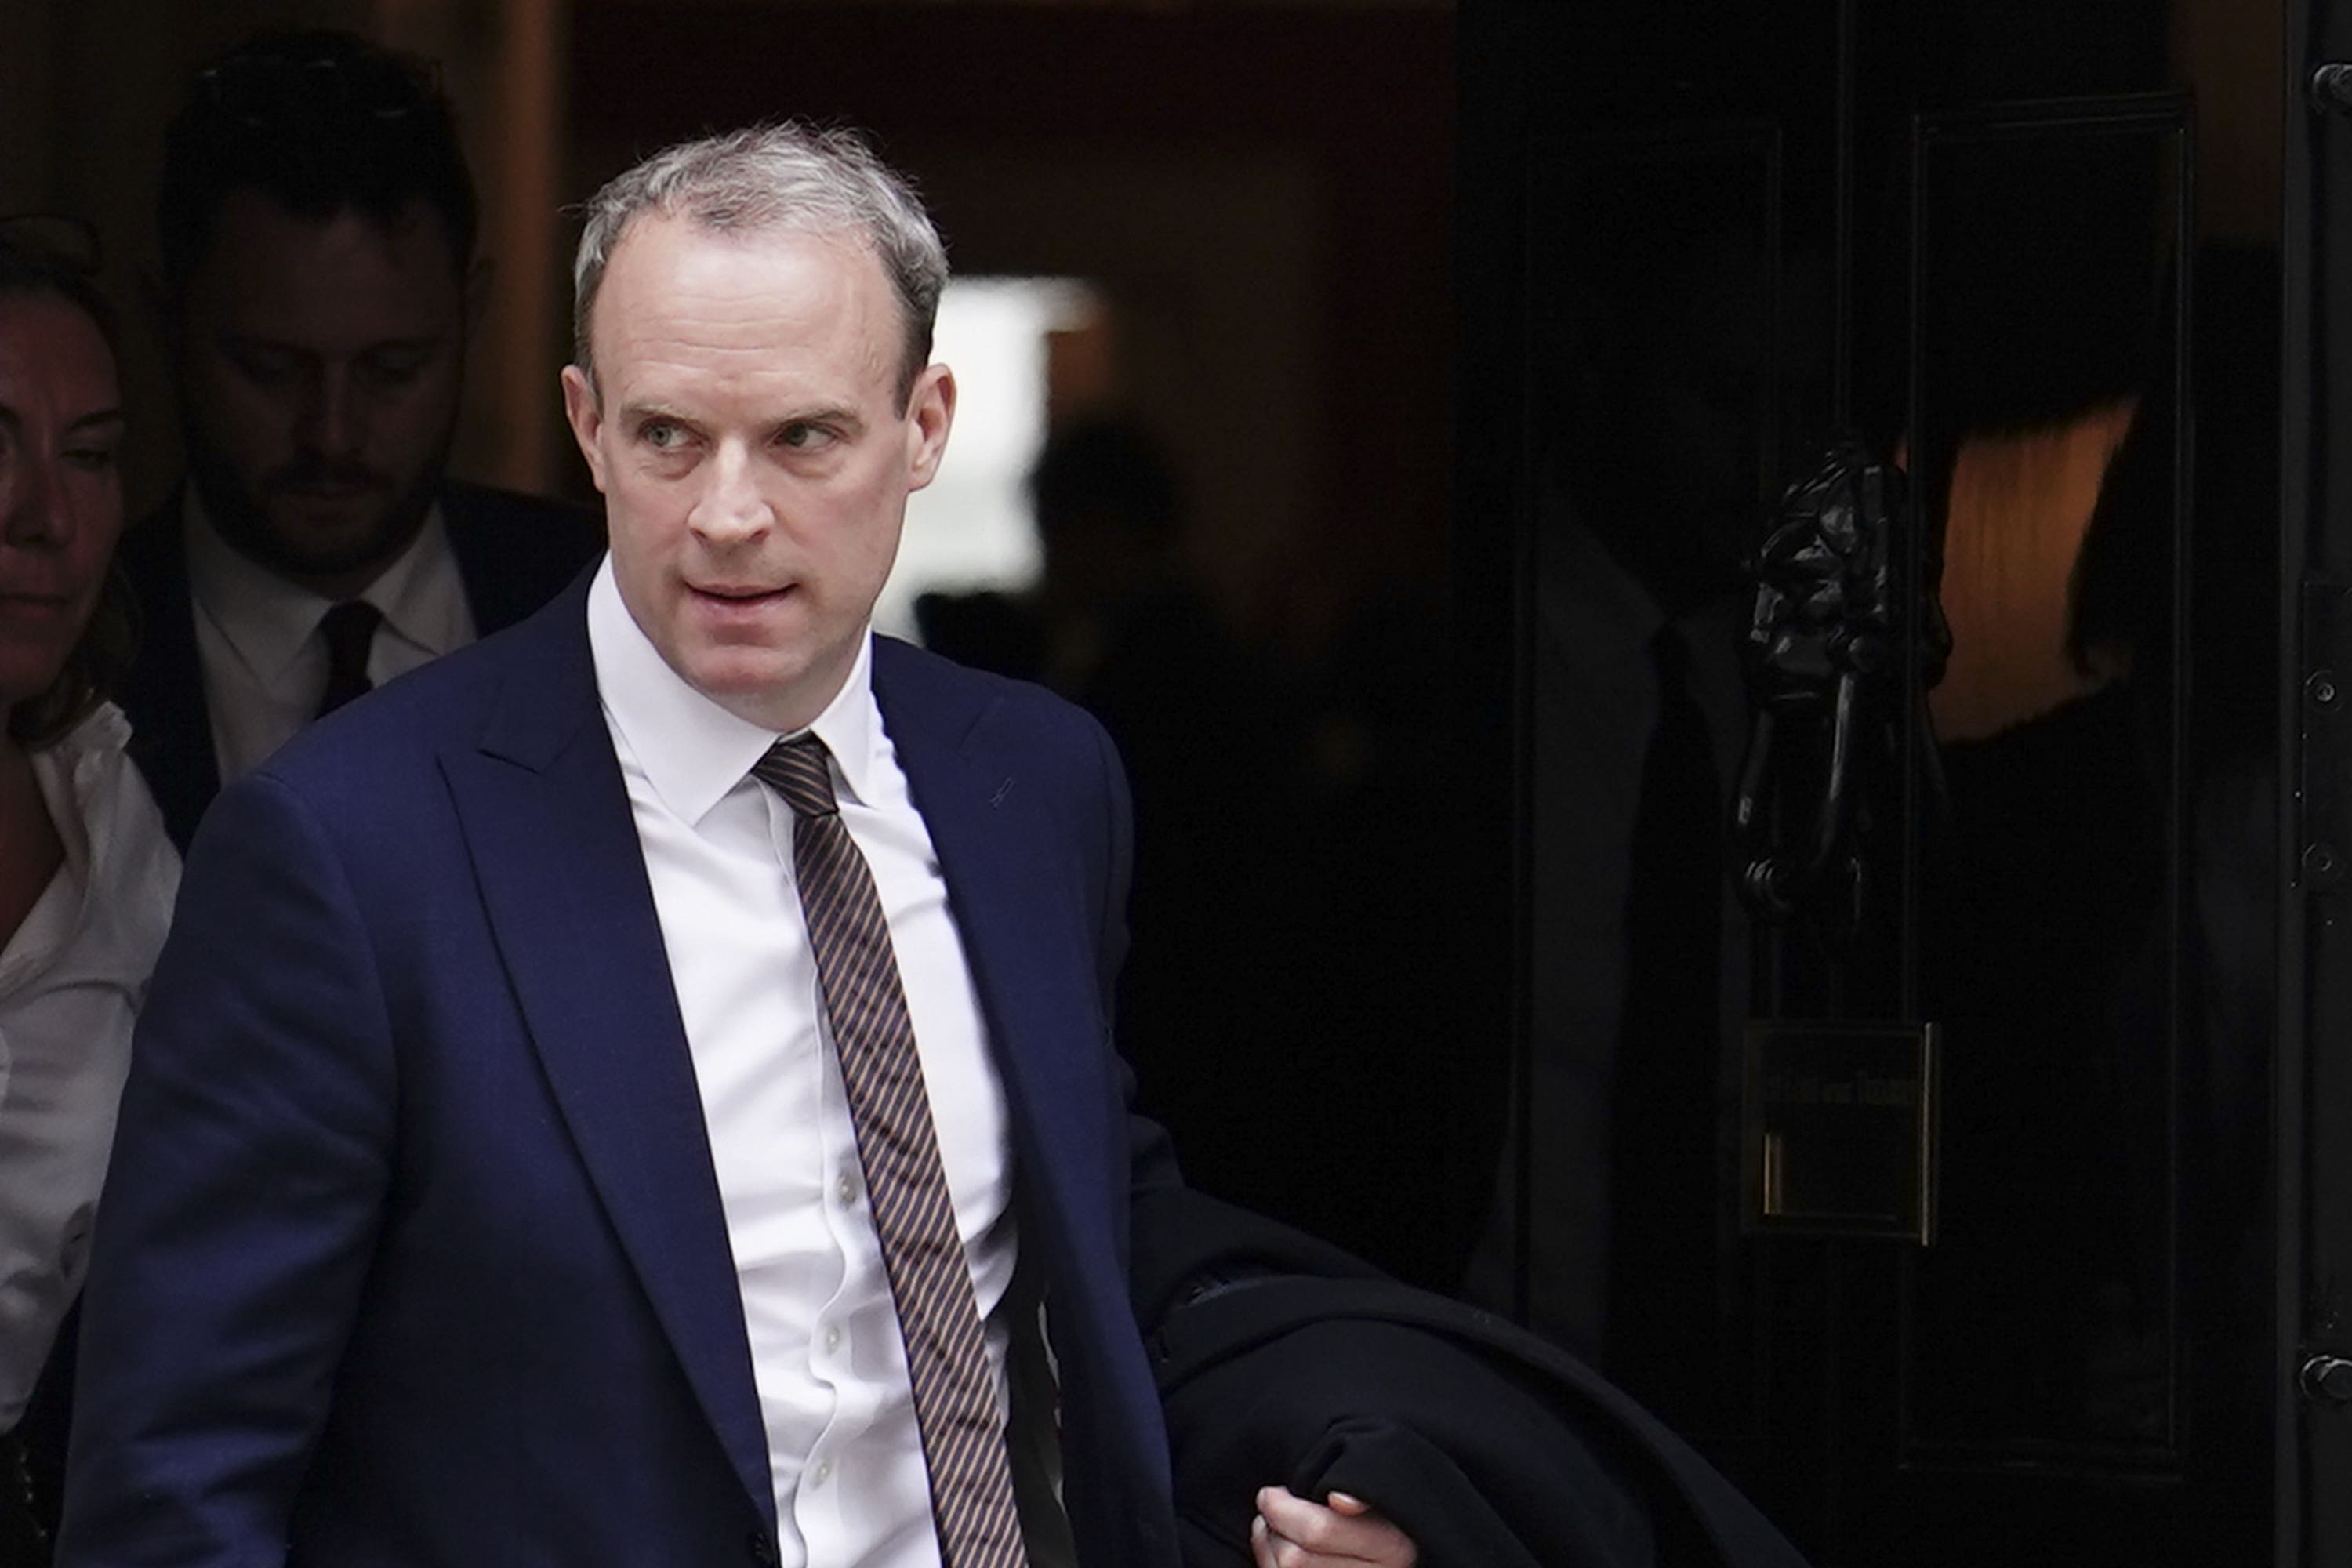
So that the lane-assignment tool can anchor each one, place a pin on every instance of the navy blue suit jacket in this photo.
(412, 1252)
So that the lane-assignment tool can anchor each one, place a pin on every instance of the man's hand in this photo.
(1292, 1532)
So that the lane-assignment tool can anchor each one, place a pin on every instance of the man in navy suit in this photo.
(503, 1176)
(319, 283)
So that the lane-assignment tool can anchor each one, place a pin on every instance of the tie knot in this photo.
(796, 769)
(349, 630)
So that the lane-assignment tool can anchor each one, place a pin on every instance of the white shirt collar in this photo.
(267, 620)
(692, 750)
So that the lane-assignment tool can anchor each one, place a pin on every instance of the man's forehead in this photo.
(672, 241)
(252, 232)
(660, 260)
(350, 276)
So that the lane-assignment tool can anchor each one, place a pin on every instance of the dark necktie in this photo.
(914, 1218)
(349, 630)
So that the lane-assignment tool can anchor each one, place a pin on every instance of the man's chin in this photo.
(768, 686)
(359, 513)
(322, 540)
(313, 537)
(736, 676)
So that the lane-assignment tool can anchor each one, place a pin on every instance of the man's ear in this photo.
(478, 291)
(582, 412)
(930, 409)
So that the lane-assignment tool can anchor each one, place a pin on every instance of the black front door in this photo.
(2025, 267)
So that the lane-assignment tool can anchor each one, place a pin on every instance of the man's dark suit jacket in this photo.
(413, 1250)
(514, 553)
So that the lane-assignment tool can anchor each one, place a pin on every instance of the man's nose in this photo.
(332, 421)
(731, 507)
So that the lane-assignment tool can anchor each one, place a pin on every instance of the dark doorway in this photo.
(2033, 261)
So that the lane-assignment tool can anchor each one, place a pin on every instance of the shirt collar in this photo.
(267, 620)
(693, 751)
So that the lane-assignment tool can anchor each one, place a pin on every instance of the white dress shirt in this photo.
(71, 979)
(844, 1451)
(258, 638)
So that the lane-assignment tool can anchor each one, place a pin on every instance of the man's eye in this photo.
(803, 438)
(268, 367)
(662, 435)
(392, 369)
(96, 458)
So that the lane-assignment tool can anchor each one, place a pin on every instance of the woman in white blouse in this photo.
(86, 876)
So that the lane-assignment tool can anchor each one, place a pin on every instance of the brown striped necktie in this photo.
(947, 1356)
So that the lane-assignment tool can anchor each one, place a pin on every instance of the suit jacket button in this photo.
(763, 1549)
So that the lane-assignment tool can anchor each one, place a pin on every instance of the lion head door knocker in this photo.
(1829, 686)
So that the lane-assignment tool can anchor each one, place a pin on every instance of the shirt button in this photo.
(848, 1188)
(832, 1338)
(823, 1471)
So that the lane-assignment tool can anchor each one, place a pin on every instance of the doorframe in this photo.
(2312, 1174)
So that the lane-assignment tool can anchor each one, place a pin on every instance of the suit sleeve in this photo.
(242, 1207)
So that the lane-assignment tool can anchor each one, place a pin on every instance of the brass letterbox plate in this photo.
(1838, 1131)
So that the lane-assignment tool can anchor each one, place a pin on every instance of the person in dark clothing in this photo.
(319, 281)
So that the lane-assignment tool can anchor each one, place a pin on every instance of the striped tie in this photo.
(947, 1357)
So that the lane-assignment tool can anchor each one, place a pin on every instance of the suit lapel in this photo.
(497, 594)
(546, 817)
(1013, 886)
(163, 694)
(547, 821)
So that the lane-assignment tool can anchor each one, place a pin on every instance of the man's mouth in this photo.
(331, 492)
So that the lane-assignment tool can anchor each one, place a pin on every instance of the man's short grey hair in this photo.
(785, 176)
